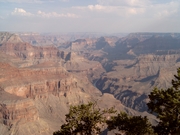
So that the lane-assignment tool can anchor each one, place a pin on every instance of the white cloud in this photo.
(54, 14)
(100, 8)
(100, 16)
(22, 12)
(96, 7)
(137, 3)
(118, 10)
(138, 8)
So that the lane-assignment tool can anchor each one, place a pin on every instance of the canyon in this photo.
(41, 76)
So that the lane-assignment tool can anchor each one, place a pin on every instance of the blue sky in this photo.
(108, 16)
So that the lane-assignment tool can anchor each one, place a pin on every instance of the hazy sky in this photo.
(109, 16)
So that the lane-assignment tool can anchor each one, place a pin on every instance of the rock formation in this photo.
(133, 65)
(10, 38)
(36, 90)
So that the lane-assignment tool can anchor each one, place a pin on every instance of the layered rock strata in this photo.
(25, 97)
(132, 81)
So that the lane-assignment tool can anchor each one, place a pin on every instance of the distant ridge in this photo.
(150, 34)
(6, 37)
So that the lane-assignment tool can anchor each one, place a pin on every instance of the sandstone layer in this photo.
(134, 64)
(36, 89)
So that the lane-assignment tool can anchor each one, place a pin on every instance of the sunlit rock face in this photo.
(148, 60)
(33, 97)
(20, 111)
(38, 85)
(6, 37)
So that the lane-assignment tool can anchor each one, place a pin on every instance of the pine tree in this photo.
(165, 104)
(130, 125)
(84, 119)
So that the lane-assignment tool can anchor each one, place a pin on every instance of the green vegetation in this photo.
(85, 119)
(88, 119)
(130, 125)
(165, 104)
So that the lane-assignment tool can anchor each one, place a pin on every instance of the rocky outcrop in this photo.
(136, 44)
(35, 100)
(80, 44)
(60, 39)
(20, 111)
(33, 55)
(38, 84)
(131, 81)
(88, 44)
(14, 109)
(27, 51)
(10, 38)
(42, 89)
(12, 45)
(101, 43)
(33, 97)
(157, 43)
